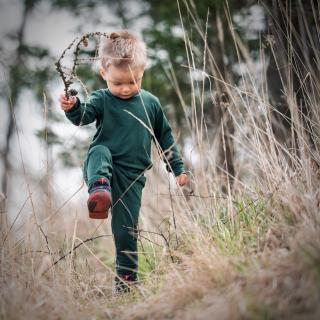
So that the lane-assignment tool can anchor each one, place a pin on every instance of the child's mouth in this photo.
(125, 96)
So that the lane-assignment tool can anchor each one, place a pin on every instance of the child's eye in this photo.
(117, 84)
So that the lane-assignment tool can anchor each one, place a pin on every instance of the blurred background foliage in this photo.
(178, 35)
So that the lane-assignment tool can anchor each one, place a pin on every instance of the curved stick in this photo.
(67, 78)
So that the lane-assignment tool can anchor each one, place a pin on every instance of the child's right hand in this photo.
(67, 103)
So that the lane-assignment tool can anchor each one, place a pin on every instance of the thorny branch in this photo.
(137, 232)
(68, 78)
(75, 248)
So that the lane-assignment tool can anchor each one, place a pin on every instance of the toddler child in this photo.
(127, 119)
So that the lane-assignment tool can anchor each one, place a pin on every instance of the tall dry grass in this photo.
(251, 252)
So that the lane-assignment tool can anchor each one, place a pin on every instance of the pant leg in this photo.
(125, 213)
(98, 164)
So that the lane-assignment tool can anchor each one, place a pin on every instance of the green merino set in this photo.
(120, 152)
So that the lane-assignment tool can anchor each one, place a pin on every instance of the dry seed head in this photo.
(85, 41)
(73, 92)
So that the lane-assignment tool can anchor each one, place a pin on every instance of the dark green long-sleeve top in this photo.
(127, 128)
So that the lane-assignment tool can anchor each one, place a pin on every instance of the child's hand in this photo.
(182, 179)
(67, 104)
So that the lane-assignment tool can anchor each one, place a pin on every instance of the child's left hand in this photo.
(182, 179)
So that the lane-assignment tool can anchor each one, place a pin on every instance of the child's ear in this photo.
(102, 73)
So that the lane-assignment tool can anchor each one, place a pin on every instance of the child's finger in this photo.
(182, 179)
(69, 99)
(65, 103)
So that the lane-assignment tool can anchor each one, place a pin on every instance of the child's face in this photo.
(123, 82)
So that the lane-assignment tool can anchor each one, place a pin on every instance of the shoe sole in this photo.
(99, 204)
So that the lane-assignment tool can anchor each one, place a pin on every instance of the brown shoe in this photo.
(99, 200)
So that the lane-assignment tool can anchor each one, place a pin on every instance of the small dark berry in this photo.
(73, 92)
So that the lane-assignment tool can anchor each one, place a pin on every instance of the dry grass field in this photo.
(251, 251)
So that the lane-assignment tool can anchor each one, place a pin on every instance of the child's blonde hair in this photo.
(122, 49)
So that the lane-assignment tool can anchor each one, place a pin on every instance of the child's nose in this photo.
(125, 89)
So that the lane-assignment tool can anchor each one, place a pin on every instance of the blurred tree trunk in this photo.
(294, 64)
(13, 95)
(220, 113)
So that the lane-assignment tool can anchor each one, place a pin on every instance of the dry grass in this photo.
(250, 253)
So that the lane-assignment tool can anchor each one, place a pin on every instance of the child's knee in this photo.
(98, 164)
(100, 149)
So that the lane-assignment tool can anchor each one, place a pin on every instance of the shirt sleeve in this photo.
(84, 113)
(163, 135)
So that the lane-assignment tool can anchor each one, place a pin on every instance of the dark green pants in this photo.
(126, 191)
